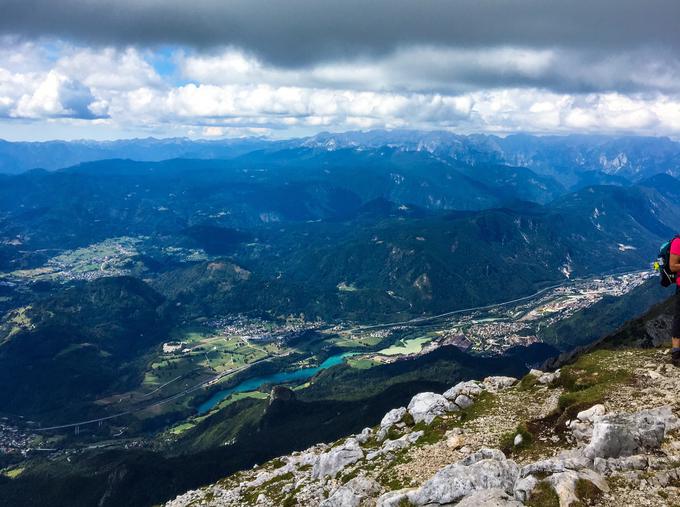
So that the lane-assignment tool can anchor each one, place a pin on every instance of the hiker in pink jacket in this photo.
(674, 266)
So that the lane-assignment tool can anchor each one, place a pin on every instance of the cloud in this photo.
(228, 91)
(452, 71)
(58, 96)
(297, 33)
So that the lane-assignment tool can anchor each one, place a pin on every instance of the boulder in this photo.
(498, 383)
(394, 498)
(353, 493)
(396, 444)
(564, 484)
(627, 434)
(524, 486)
(544, 377)
(485, 469)
(470, 388)
(393, 417)
(364, 436)
(607, 466)
(403, 442)
(489, 498)
(390, 419)
(556, 465)
(427, 406)
(330, 463)
(464, 401)
(591, 413)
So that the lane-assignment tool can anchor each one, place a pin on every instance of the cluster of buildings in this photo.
(13, 440)
(258, 329)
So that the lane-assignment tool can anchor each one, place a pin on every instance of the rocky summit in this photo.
(602, 430)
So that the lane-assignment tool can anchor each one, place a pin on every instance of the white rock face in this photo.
(489, 498)
(607, 466)
(544, 377)
(403, 442)
(335, 460)
(564, 484)
(498, 383)
(393, 498)
(427, 406)
(364, 436)
(591, 413)
(627, 434)
(391, 418)
(524, 486)
(353, 493)
(394, 445)
(486, 469)
(464, 401)
(469, 388)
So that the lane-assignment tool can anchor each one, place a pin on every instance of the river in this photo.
(283, 377)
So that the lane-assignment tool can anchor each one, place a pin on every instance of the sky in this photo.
(108, 69)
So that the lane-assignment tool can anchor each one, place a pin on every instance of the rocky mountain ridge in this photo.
(602, 430)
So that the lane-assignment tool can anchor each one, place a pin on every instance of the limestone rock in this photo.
(469, 388)
(545, 377)
(486, 469)
(464, 401)
(403, 442)
(627, 434)
(394, 498)
(364, 436)
(591, 413)
(607, 466)
(390, 419)
(524, 486)
(352, 493)
(565, 484)
(427, 406)
(335, 460)
(498, 383)
(489, 498)
(393, 417)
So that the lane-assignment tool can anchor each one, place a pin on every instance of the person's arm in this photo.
(674, 263)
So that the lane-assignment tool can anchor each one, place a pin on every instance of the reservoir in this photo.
(276, 378)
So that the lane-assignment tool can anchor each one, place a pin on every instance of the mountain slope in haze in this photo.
(62, 352)
(575, 160)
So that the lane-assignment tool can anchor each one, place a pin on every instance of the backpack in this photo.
(662, 264)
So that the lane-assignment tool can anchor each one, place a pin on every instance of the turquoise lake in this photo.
(276, 378)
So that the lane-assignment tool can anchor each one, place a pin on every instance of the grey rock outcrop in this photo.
(469, 388)
(486, 469)
(627, 434)
(391, 418)
(489, 498)
(427, 406)
(498, 383)
(564, 484)
(353, 493)
(364, 436)
(330, 463)
(545, 377)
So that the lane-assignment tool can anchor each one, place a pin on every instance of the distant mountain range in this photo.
(569, 159)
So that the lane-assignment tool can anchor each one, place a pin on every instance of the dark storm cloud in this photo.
(300, 32)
